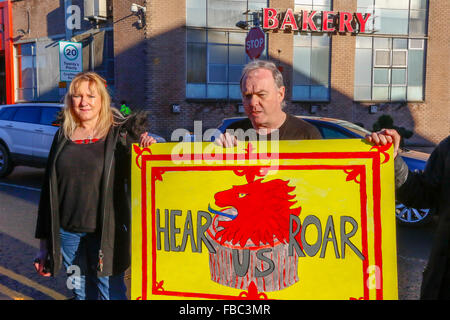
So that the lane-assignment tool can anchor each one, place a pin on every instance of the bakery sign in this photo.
(307, 220)
(320, 21)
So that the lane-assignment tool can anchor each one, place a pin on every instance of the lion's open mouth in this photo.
(229, 212)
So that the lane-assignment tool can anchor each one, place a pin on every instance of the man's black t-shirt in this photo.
(293, 128)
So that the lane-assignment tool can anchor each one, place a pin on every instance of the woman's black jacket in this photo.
(114, 255)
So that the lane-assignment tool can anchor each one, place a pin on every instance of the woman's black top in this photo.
(79, 170)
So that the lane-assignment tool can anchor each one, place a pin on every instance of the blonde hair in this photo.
(107, 115)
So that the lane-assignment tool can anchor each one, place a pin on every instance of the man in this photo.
(263, 93)
(428, 189)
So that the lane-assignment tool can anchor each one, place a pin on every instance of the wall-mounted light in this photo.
(313, 109)
(175, 108)
(240, 108)
(373, 109)
(139, 11)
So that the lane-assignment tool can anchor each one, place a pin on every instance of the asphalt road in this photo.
(19, 197)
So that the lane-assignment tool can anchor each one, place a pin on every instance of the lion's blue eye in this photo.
(241, 195)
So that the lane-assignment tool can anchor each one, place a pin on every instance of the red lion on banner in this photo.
(263, 210)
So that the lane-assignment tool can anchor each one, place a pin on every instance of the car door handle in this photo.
(39, 130)
(9, 126)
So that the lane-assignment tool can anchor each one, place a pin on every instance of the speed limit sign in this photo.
(70, 59)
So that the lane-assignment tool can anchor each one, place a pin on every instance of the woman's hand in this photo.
(41, 258)
(146, 140)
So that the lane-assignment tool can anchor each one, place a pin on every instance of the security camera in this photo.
(135, 8)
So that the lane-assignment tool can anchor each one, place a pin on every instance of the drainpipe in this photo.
(67, 4)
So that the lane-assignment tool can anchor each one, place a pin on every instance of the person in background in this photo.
(263, 94)
(84, 210)
(427, 189)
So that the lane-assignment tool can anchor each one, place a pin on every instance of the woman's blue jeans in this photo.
(80, 258)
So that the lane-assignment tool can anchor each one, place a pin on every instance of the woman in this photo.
(84, 212)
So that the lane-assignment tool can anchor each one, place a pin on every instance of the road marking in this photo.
(30, 283)
(13, 294)
(19, 186)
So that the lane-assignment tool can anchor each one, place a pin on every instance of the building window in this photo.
(215, 47)
(26, 83)
(401, 17)
(391, 68)
(311, 61)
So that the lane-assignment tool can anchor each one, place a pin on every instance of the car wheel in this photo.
(6, 165)
(411, 216)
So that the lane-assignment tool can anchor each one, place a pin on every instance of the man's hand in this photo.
(385, 136)
(146, 140)
(226, 140)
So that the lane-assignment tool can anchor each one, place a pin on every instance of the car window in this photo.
(29, 115)
(328, 133)
(7, 113)
(48, 115)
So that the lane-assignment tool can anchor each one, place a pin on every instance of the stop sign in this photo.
(254, 42)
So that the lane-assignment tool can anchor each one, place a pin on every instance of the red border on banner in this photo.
(375, 156)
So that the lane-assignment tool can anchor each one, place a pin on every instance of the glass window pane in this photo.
(418, 4)
(302, 65)
(399, 76)
(320, 40)
(415, 68)
(382, 43)
(365, 3)
(234, 92)
(400, 44)
(218, 91)
(416, 44)
(362, 93)
(363, 67)
(415, 93)
(399, 58)
(27, 49)
(28, 72)
(302, 40)
(382, 58)
(380, 93)
(381, 76)
(217, 73)
(300, 93)
(225, 14)
(237, 55)
(319, 93)
(418, 22)
(392, 21)
(195, 13)
(196, 63)
(319, 66)
(218, 54)
(398, 93)
(196, 35)
(217, 36)
(235, 73)
(364, 42)
(389, 4)
(194, 91)
(237, 38)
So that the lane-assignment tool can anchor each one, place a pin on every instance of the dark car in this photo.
(331, 128)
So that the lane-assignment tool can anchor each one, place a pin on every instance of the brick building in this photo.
(182, 59)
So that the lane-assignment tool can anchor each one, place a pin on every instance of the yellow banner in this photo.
(287, 220)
